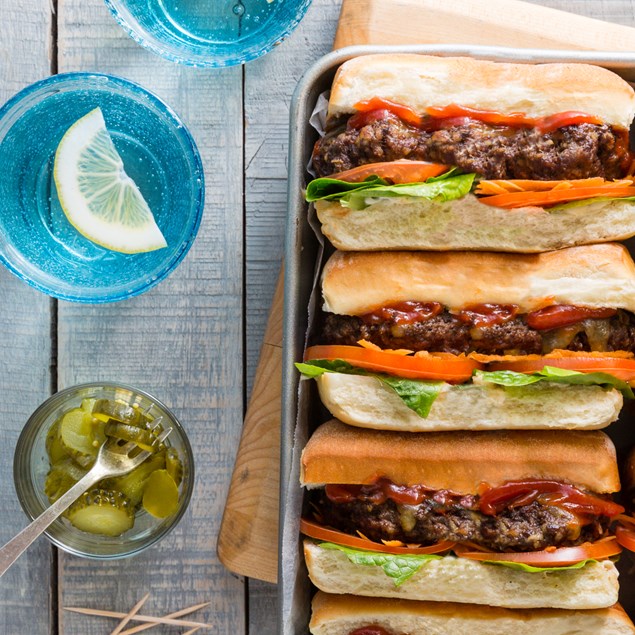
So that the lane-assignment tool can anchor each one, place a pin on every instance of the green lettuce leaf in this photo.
(416, 394)
(399, 568)
(557, 375)
(588, 201)
(402, 567)
(446, 187)
(528, 568)
(328, 189)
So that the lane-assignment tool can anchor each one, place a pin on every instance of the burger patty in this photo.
(526, 528)
(446, 333)
(571, 152)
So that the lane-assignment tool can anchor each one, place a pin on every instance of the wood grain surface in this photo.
(193, 341)
(495, 22)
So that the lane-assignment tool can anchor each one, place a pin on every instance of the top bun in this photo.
(354, 283)
(538, 90)
(459, 461)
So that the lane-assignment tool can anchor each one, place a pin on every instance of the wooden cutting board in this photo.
(248, 538)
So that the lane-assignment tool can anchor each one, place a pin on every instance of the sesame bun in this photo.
(458, 461)
(537, 90)
(342, 614)
(354, 283)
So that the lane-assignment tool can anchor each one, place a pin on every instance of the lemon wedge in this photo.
(99, 199)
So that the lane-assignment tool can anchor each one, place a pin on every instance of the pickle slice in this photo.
(142, 437)
(61, 477)
(173, 465)
(105, 409)
(54, 448)
(161, 495)
(101, 511)
(133, 483)
(87, 404)
(76, 436)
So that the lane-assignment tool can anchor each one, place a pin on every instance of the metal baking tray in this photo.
(300, 403)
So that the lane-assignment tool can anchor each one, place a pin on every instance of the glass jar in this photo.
(31, 465)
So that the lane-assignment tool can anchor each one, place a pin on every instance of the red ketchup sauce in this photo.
(561, 315)
(404, 313)
(435, 118)
(370, 630)
(488, 314)
(492, 500)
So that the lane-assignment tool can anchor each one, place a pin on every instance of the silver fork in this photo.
(113, 459)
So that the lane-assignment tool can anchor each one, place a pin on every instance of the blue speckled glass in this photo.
(37, 242)
(209, 32)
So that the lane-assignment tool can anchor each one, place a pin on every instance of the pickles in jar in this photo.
(109, 508)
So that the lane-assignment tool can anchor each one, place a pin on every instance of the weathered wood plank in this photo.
(181, 341)
(269, 84)
(25, 349)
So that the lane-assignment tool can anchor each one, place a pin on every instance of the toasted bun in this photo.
(452, 579)
(366, 402)
(538, 90)
(412, 223)
(354, 283)
(459, 461)
(342, 614)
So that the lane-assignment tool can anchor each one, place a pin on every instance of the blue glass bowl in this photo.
(37, 242)
(210, 33)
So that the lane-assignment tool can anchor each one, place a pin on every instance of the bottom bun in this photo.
(452, 579)
(343, 614)
(368, 403)
(465, 223)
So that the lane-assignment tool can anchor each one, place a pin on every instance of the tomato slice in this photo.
(622, 368)
(559, 315)
(512, 200)
(450, 368)
(398, 172)
(625, 537)
(561, 557)
(313, 530)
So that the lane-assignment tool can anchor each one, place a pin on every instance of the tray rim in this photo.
(299, 113)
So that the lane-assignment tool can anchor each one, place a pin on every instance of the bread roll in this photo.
(366, 402)
(342, 614)
(354, 283)
(459, 461)
(452, 579)
(537, 90)
(412, 223)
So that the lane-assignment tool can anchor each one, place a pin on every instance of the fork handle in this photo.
(18, 545)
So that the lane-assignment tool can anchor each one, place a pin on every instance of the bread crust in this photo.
(354, 283)
(538, 90)
(466, 224)
(459, 461)
(332, 612)
(452, 579)
(366, 402)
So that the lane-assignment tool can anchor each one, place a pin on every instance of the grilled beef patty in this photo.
(526, 528)
(495, 152)
(446, 333)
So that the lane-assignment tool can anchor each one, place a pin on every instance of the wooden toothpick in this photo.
(133, 611)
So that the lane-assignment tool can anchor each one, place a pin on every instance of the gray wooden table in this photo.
(193, 341)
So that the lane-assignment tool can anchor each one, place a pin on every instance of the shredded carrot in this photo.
(392, 351)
